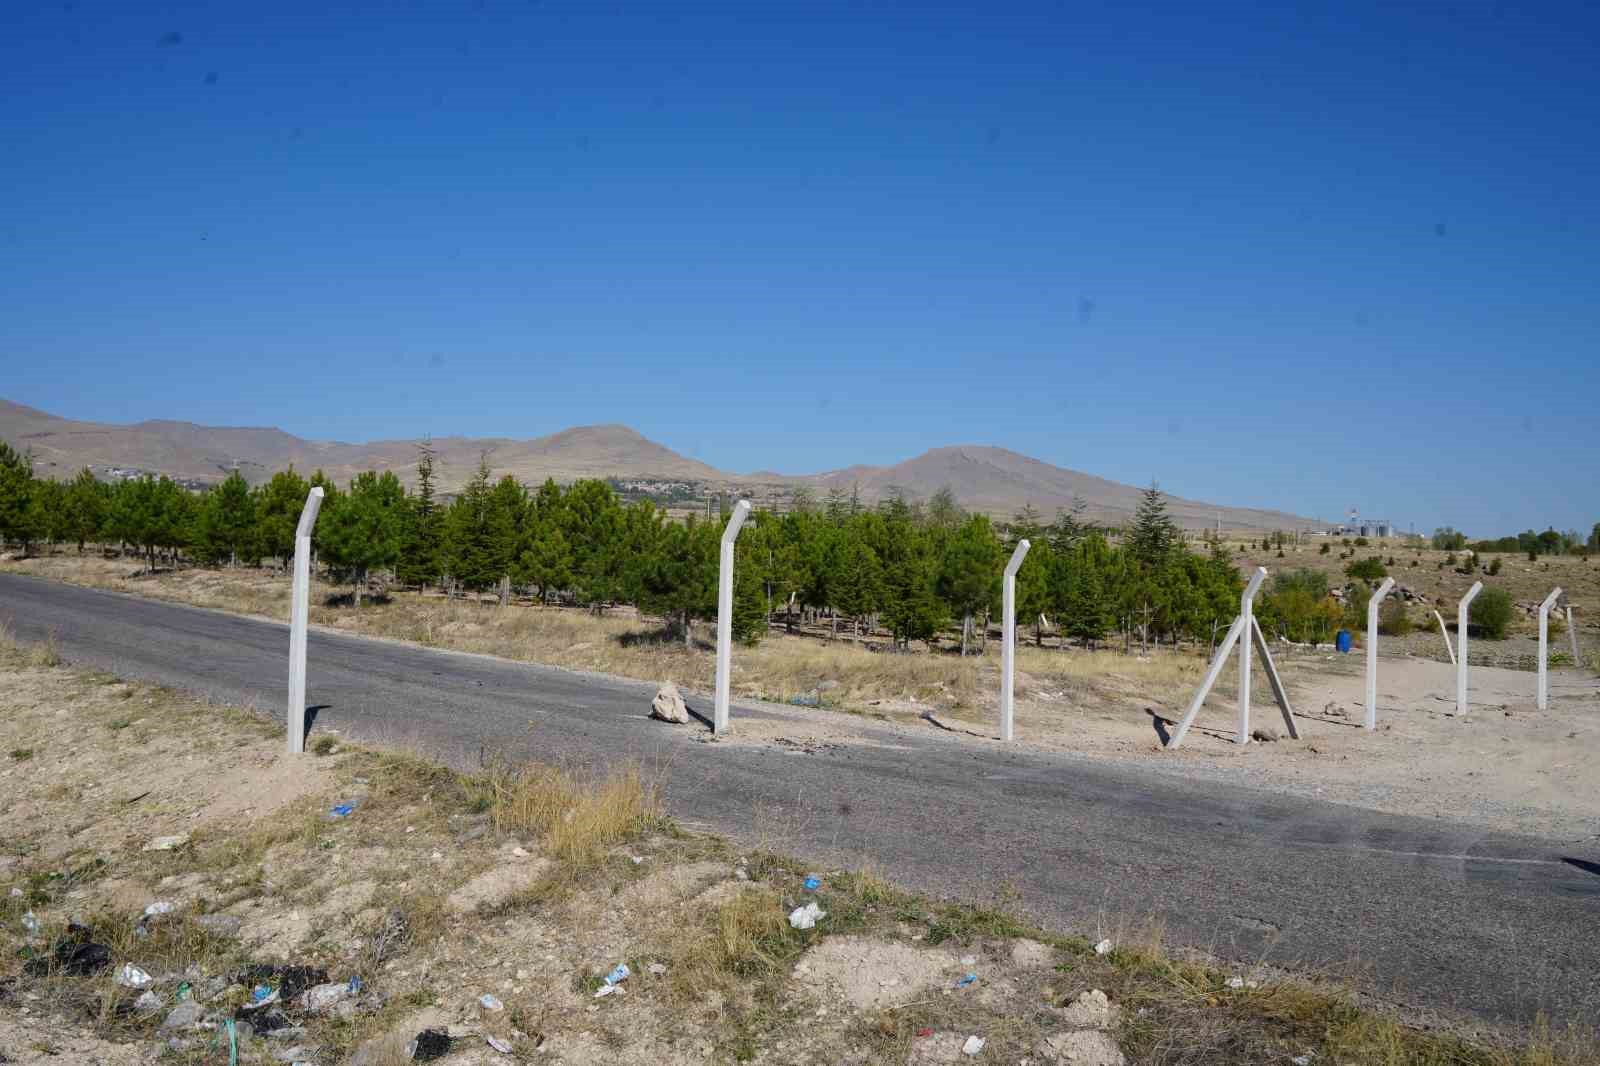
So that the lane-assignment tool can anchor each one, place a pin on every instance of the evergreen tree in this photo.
(16, 485)
(226, 523)
(365, 530)
(679, 579)
(592, 521)
(278, 506)
(751, 603)
(471, 557)
(1154, 535)
(855, 581)
(546, 562)
(87, 500)
(969, 572)
(505, 522)
(422, 557)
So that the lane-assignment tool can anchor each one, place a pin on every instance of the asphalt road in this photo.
(1424, 914)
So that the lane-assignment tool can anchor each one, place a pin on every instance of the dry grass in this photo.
(577, 816)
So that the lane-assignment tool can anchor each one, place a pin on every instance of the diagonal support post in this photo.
(1279, 693)
(1245, 620)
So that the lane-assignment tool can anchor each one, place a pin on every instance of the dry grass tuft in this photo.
(578, 816)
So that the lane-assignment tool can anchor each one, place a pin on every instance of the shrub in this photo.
(1324, 550)
(1361, 542)
(1490, 614)
(1493, 568)
(1393, 619)
(1367, 570)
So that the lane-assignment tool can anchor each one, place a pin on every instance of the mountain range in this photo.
(983, 478)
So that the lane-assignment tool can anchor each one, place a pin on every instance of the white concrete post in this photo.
(299, 608)
(1008, 641)
(1462, 612)
(1445, 633)
(1544, 647)
(1372, 651)
(719, 713)
(1247, 611)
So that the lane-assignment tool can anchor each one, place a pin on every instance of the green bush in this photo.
(1361, 542)
(1490, 614)
(1367, 570)
(1324, 550)
(1393, 619)
(1493, 568)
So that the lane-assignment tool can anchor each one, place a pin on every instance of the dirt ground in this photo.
(440, 917)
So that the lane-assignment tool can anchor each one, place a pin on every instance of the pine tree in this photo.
(679, 579)
(751, 606)
(226, 522)
(278, 506)
(87, 500)
(1154, 535)
(16, 487)
(365, 530)
(969, 572)
(469, 554)
(422, 558)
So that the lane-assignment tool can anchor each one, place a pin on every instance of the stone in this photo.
(1265, 735)
(1091, 1010)
(1031, 954)
(184, 1015)
(668, 705)
(1082, 1047)
(220, 924)
(171, 843)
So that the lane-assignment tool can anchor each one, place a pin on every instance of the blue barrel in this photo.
(1342, 642)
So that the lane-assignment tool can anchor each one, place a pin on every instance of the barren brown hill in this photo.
(998, 481)
(987, 479)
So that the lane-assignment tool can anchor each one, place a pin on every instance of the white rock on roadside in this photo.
(973, 1045)
(1104, 947)
(668, 705)
(167, 843)
(1091, 1010)
(1082, 1047)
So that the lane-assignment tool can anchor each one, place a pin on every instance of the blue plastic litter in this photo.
(806, 701)
(355, 984)
(620, 974)
(812, 884)
(262, 993)
(967, 980)
(343, 810)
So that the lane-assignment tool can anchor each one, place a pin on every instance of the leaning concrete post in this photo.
(1544, 647)
(1462, 613)
(299, 607)
(1008, 641)
(1247, 611)
(1445, 633)
(1372, 651)
(719, 714)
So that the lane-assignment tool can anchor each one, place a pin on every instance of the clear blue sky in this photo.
(1260, 253)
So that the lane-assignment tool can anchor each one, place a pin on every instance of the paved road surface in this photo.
(1423, 913)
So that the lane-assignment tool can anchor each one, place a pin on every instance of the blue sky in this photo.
(1284, 257)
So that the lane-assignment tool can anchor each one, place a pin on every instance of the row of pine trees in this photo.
(916, 571)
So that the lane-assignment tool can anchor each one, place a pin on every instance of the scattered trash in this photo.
(973, 1045)
(77, 959)
(430, 1044)
(355, 984)
(967, 980)
(490, 1003)
(519, 852)
(30, 922)
(343, 810)
(924, 1033)
(184, 1015)
(130, 976)
(1303, 1060)
(618, 975)
(741, 874)
(16, 893)
(320, 997)
(271, 983)
(1104, 947)
(808, 699)
(167, 843)
(658, 968)
(185, 991)
(147, 1000)
(502, 1046)
(812, 884)
(1236, 982)
(158, 908)
(606, 990)
(806, 917)
(261, 995)
(969, 960)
